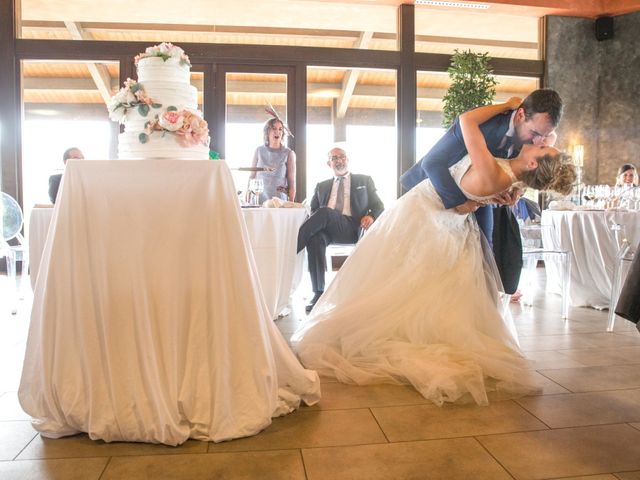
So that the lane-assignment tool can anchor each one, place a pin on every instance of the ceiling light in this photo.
(438, 3)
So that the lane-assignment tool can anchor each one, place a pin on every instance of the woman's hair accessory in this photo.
(272, 111)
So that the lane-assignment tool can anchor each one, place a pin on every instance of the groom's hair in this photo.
(544, 100)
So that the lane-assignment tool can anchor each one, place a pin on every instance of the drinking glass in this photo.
(256, 186)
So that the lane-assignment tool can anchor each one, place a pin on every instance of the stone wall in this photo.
(599, 82)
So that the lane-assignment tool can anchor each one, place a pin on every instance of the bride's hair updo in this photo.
(554, 172)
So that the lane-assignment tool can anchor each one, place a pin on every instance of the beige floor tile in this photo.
(82, 446)
(58, 469)
(10, 409)
(341, 396)
(603, 356)
(551, 359)
(14, 437)
(577, 340)
(567, 452)
(424, 422)
(628, 475)
(311, 429)
(581, 409)
(433, 460)
(606, 476)
(590, 379)
(279, 465)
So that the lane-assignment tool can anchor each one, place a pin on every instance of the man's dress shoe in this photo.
(312, 303)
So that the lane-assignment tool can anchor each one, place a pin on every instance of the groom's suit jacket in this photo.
(448, 151)
(364, 199)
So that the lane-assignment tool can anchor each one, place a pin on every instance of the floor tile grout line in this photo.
(106, 465)
(304, 466)
(494, 458)
(35, 434)
(379, 426)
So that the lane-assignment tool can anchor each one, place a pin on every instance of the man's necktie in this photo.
(340, 195)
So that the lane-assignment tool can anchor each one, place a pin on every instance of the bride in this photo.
(417, 302)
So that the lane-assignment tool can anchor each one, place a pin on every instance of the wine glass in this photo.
(256, 187)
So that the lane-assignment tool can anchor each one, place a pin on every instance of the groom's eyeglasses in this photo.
(335, 158)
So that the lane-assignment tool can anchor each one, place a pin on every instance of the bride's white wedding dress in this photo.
(414, 304)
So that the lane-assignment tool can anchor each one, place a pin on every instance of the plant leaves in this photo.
(143, 137)
(156, 105)
(171, 108)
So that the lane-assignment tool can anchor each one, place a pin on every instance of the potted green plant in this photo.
(472, 84)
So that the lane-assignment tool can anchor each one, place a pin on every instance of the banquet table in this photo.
(148, 321)
(272, 233)
(588, 236)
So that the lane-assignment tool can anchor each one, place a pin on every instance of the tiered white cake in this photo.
(160, 110)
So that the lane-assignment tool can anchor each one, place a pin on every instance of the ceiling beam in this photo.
(351, 77)
(99, 73)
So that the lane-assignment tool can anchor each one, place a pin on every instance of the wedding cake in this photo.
(160, 109)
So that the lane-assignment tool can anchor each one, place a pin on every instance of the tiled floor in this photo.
(584, 425)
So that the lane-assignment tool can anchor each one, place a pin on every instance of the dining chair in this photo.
(533, 250)
(341, 250)
(12, 245)
(623, 260)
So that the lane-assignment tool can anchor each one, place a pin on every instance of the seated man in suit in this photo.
(340, 207)
(54, 180)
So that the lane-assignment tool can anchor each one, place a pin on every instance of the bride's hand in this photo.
(514, 102)
(469, 206)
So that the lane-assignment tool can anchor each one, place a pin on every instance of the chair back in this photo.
(12, 218)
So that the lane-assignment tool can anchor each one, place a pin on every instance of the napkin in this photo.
(276, 202)
(561, 205)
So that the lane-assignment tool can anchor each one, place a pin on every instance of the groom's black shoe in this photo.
(312, 303)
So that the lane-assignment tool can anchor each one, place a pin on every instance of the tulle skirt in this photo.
(417, 303)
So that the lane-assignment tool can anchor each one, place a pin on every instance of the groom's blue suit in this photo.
(447, 152)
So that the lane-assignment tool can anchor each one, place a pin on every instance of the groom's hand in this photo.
(508, 197)
(469, 206)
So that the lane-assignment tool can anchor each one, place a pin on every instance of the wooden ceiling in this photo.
(507, 29)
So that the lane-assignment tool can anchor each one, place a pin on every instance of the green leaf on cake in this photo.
(135, 87)
(171, 108)
(143, 137)
(156, 105)
(143, 109)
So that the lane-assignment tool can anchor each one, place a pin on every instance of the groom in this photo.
(532, 122)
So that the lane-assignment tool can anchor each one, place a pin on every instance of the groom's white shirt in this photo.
(510, 133)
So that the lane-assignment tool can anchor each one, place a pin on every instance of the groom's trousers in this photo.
(324, 227)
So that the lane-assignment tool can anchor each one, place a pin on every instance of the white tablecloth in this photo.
(148, 320)
(272, 233)
(588, 236)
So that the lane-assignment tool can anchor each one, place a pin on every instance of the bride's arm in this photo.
(484, 164)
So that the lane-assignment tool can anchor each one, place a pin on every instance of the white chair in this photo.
(534, 251)
(12, 245)
(623, 260)
(340, 250)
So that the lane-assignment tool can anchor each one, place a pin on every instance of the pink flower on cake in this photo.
(165, 51)
(188, 127)
(171, 120)
(194, 131)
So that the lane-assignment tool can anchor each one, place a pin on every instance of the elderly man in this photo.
(54, 180)
(340, 207)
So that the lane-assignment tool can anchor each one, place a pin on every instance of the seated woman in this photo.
(627, 175)
(279, 162)
(417, 302)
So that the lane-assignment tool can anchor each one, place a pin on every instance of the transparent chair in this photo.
(12, 245)
(534, 251)
(623, 260)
